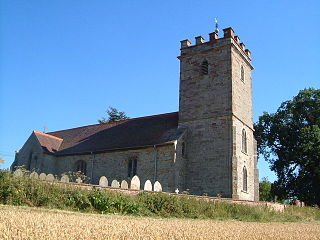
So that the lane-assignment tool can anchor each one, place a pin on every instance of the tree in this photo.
(265, 193)
(113, 115)
(290, 141)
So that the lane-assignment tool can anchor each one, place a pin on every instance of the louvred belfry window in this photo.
(204, 67)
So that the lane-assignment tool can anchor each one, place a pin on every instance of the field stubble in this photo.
(34, 223)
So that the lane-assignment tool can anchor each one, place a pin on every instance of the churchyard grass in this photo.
(28, 192)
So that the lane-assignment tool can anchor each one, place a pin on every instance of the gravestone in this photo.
(157, 187)
(135, 183)
(34, 175)
(18, 173)
(50, 177)
(103, 182)
(147, 186)
(65, 179)
(78, 180)
(42, 176)
(115, 184)
(124, 184)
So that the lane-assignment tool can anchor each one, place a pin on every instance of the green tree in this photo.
(113, 115)
(265, 190)
(290, 141)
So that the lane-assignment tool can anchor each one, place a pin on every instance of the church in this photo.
(207, 148)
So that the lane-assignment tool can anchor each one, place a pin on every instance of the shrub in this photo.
(25, 191)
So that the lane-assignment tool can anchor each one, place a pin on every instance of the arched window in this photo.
(132, 167)
(244, 141)
(242, 73)
(245, 179)
(204, 67)
(81, 166)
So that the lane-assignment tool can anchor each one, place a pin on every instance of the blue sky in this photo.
(63, 62)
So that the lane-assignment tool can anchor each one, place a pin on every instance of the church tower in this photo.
(215, 104)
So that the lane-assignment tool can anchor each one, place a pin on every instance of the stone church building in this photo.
(207, 147)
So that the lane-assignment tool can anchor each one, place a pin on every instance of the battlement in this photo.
(215, 41)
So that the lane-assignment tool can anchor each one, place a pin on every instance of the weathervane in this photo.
(217, 29)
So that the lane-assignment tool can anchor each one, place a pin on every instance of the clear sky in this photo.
(63, 62)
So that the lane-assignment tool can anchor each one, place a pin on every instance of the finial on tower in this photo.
(217, 29)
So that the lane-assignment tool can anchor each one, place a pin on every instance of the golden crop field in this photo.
(33, 223)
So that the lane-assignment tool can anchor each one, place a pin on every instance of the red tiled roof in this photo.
(130, 133)
(49, 142)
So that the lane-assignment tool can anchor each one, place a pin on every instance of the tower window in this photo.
(132, 167)
(245, 179)
(242, 73)
(81, 166)
(204, 67)
(244, 141)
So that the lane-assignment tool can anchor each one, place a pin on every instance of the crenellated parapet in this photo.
(214, 41)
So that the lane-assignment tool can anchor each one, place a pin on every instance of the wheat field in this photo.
(33, 223)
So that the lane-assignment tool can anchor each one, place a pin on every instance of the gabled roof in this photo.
(130, 133)
(48, 142)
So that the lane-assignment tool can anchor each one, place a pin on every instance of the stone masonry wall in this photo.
(215, 108)
(208, 157)
(31, 157)
(205, 108)
(114, 165)
(244, 159)
(242, 119)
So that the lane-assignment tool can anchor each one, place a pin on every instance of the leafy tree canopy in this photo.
(113, 115)
(265, 190)
(290, 141)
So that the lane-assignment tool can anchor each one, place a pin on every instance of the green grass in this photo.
(28, 192)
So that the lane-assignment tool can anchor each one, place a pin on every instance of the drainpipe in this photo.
(155, 164)
(92, 162)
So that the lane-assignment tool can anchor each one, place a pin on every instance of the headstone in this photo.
(135, 183)
(148, 186)
(78, 180)
(42, 176)
(157, 187)
(34, 175)
(65, 179)
(115, 184)
(177, 191)
(103, 182)
(124, 184)
(18, 173)
(50, 177)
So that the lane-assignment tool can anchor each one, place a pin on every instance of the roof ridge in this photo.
(47, 135)
(126, 120)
